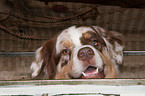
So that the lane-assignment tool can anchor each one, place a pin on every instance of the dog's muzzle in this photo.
(89, 61)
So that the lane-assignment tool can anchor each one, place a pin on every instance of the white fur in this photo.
(115, 52)
(37, 63)
(75, 35)
(62, 37)
(118, 53)
(61, 61)
(72, 34)
(77, 66)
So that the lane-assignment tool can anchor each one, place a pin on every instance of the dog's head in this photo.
(79, 52)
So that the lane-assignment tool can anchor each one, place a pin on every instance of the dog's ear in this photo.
(110, 70)
(117, 42)
(113, 37)
(44, 65)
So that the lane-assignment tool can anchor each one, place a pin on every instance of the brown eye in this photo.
(94, 43)
(65, 52)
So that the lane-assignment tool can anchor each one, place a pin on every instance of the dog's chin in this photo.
(91, 72)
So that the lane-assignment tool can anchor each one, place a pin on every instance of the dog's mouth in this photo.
(92, 72)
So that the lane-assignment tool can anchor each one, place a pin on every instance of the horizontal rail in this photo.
(134, 53)
(16, 54)
(77, 87)
(21, 54)
(115, 82)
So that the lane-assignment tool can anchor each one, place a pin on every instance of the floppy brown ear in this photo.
(113, 37)
(110, 70)
(44, 65)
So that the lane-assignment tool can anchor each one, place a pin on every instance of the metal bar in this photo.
(16, 54)
(21, 54)
(134, 53)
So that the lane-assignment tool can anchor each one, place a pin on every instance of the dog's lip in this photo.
(93, 72)
(89, 69)
(86, 74)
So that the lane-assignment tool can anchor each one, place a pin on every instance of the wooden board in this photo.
(83, 87)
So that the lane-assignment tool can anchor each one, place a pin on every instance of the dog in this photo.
(79, 52)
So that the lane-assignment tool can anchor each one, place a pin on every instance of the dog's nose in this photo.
(85, 53)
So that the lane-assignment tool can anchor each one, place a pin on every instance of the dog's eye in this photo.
(65, 52)
(94, 43)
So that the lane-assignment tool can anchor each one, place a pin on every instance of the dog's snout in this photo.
(85, 53)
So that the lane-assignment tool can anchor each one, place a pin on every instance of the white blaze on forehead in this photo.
(63, 36)
(75, 35)
(72, 34)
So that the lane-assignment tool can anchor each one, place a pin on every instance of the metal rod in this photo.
(21, 54)
(16, 54)
(134, 53)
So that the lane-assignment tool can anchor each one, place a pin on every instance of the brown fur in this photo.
(48, 69)
(87, 36)
(50, 59)
(64, 73)
(109, 69)
(113, 36)
(67, 44)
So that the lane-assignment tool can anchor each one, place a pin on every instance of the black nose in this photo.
(85, 53)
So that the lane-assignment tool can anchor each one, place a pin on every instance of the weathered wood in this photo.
(115, 82)
(85, 87)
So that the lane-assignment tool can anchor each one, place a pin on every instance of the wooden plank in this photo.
(82, 87)
(115, 82)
